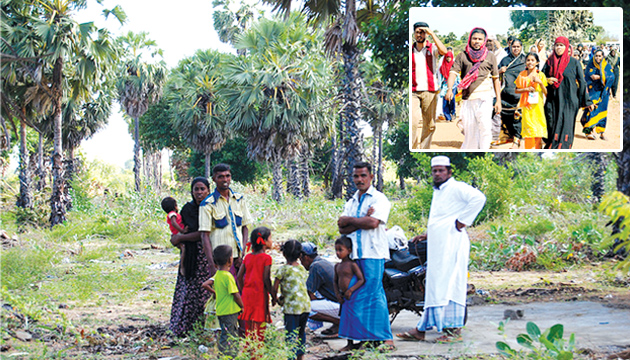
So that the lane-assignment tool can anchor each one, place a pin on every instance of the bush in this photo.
(495, 182)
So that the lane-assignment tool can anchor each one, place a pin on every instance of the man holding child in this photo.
(370, 249)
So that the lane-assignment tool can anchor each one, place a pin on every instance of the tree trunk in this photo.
(379, 183)
(304, 173)
(599, 163)
(336, 187)
(401, 182)
(352, 113)
(208, 165)
(623, 171)
(41, 167)
(70, 166)
(136, 153)
(158, 172)
(277, 181)
(57, 199)
(293, 178)
(5, 142)
(25, 199)
(623, 157)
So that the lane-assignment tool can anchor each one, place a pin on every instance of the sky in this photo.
(182, 27)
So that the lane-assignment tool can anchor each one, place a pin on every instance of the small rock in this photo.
(5, 347)
(202, 349)
(23, 335)
(63, 306)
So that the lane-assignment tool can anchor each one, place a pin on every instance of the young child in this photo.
(175, 224)
(254, 278)
(531, 83)
(228, 299)
(296, 304)
(348, 278)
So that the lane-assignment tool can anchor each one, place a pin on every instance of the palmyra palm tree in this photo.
(341, 40)
(199, 110)
(45, 32)
(277, 93)
(139, 85)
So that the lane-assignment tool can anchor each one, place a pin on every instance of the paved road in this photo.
(594, 325)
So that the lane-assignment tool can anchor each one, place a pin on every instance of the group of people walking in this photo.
(535, 96)
(217, 270)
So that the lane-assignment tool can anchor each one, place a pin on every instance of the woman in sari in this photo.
(190, 297)
(566, 93)
(510, 66)
(599, 79)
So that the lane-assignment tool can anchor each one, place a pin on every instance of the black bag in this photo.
(419, 249)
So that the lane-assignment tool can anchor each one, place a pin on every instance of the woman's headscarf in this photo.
(557, 64)
(446, 65)
(191, 219)
(476, 56)
(198, 179)
(600, 66)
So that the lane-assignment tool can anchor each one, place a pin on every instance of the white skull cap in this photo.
(441, 161)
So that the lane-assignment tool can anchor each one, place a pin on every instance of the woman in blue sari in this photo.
(599, 78)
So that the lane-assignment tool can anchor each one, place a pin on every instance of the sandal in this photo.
(449, 339)
(516, 144)
(601, 136)
(591, 136)
(501, 142)
(407, 336)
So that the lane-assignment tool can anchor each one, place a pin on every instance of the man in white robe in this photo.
(454, 206)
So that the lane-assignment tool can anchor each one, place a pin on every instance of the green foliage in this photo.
(495, 182)
(546, 345)
(617, 207)
(234, 153)
(419, 204)
(157, 130)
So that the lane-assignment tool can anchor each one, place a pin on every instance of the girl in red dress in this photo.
(254, 277)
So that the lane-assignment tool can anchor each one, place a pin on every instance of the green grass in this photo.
(81, 263)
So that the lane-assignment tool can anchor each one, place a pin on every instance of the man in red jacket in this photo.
(424, 81)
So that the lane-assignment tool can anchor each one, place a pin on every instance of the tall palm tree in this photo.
(52, 38)
(199, 110)
(139, 85)
(382, 106)
(277, 94)
(341, 40)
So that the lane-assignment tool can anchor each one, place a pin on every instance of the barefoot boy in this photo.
(348, 278)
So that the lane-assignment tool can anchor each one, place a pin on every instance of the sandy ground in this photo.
(448, 136)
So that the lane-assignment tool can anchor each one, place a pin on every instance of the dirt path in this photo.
(448, 136)
(137, 329)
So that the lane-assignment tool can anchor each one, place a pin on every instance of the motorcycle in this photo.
(404, 279)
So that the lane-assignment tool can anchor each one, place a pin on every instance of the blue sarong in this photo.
(365, 316)
(440, 317)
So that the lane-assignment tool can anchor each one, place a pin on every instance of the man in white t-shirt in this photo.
(424, 82)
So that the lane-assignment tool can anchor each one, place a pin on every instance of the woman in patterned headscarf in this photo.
(566, 93)
(599, 79)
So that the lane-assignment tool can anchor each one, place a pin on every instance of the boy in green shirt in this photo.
(228, 299)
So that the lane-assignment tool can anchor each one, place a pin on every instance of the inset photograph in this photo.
(506, 79)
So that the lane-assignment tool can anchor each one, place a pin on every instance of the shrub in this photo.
(495, 182)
